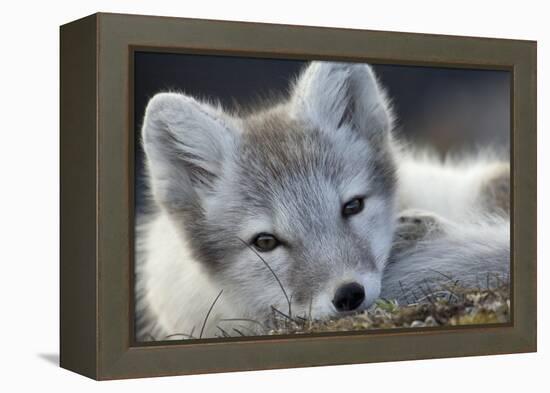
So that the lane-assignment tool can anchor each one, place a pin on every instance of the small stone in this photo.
(430, 321)
(417, 324)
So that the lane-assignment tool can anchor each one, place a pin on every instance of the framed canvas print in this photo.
(240, 196)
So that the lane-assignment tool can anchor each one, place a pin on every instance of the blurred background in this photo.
(446, 109)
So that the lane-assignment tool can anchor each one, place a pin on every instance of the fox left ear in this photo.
(186, 143)
(332, 94)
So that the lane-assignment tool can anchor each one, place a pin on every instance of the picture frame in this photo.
(97, 195)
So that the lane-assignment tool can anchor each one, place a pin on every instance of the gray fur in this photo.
(220, 179)
(431, 254)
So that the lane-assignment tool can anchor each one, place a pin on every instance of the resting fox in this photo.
(309, 204)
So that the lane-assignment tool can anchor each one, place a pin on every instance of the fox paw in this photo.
(415, 225)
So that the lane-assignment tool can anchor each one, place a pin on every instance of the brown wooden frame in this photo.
(97, 195)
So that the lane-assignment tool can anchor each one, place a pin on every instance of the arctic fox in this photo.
(309, 206)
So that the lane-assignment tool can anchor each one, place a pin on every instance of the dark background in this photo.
(449, 110)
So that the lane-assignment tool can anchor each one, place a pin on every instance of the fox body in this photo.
(308, 207)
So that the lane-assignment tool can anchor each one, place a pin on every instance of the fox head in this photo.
(290, 204)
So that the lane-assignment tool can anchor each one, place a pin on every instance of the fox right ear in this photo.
(186, 143)
(331, 95)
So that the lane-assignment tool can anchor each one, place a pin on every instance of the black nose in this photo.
(349, 296)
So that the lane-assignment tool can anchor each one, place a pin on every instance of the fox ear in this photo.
(185, 143)
(332, 94)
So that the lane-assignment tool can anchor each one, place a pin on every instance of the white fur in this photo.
(450, 189)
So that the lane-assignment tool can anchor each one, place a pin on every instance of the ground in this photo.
(444, 307)
(460, 307)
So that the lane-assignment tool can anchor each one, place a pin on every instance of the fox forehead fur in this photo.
(221, 179)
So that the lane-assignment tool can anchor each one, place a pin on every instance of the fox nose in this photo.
(349, 296)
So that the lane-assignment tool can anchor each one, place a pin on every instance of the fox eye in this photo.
(352, 207)
(265, 242)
